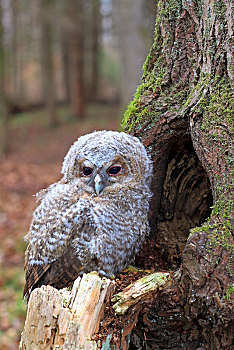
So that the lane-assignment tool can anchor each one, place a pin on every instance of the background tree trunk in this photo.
(130, 23)
(66, 62)
(96, 27)
(76, 43)
(14, 50)
(3, 104)
(47, 7)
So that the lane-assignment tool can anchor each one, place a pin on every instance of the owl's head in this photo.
(106, 158)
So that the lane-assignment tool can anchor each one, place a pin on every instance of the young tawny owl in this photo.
(96, 217)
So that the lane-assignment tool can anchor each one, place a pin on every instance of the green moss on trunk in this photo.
(184, 105)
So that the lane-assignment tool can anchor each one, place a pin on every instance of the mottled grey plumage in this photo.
(95, 218)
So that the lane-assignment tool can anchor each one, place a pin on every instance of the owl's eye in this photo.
(87, 171)
(114, 170)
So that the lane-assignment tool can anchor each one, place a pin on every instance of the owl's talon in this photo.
(102, 273)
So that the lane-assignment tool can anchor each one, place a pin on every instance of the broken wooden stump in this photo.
(63, 319)
(140, 290)
(59, 319)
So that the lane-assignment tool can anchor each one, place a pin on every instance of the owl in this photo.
(96, 217)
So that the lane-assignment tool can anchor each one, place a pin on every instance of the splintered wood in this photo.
(60, 319)
(140, 290)
(63, 319)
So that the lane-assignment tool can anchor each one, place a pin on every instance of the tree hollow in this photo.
(185, 202)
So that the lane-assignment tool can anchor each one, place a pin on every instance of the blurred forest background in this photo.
(66, 68)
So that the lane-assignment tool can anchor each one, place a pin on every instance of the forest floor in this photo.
(34, 162)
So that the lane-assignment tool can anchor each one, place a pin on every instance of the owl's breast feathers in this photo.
(88, 234)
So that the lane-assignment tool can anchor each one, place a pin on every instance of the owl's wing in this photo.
(60, 273)
(33, 276)
(57, 249)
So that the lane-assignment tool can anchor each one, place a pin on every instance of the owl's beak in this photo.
(98, 184)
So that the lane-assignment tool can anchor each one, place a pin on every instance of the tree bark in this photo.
(182, 114)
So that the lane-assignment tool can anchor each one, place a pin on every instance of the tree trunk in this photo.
(14, 50)
(66, 62)
(3, 105)
(181, 112)
(47, 60)
(76, 37)
(131, 25)
(96, 28)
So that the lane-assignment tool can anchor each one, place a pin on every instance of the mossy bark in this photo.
(182, 114)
